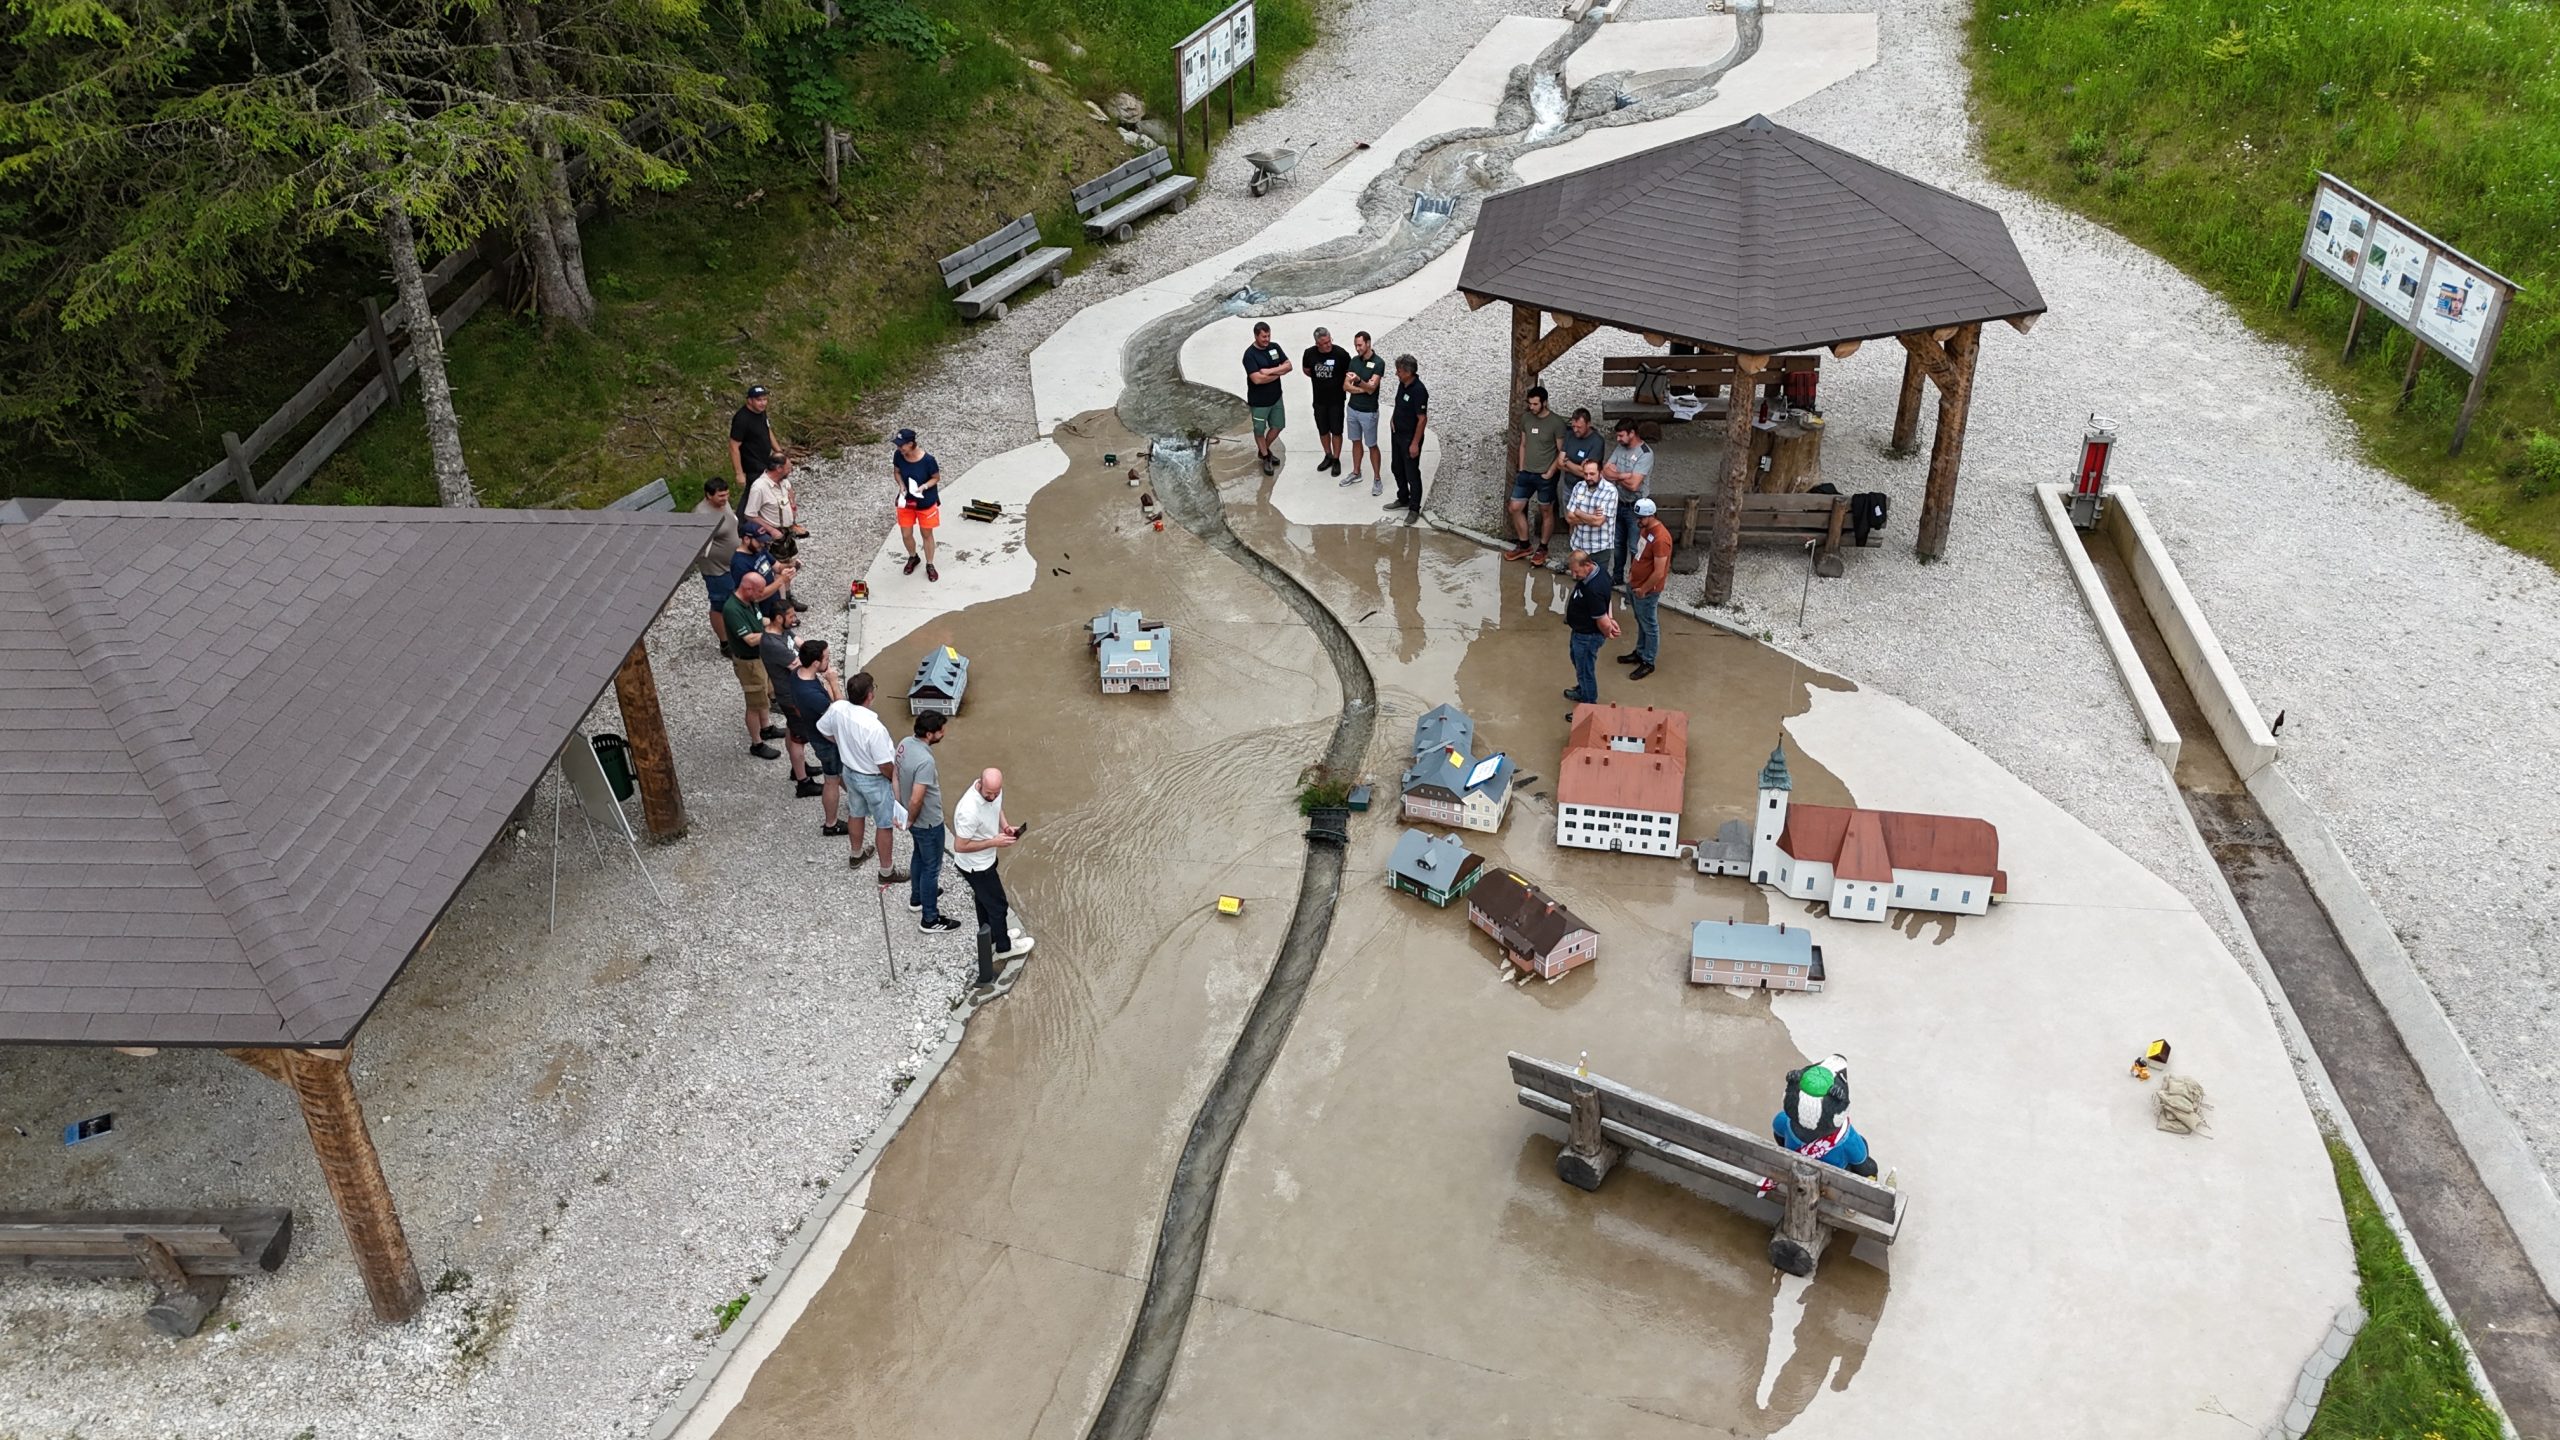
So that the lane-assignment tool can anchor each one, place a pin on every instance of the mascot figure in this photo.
(1814, 1120)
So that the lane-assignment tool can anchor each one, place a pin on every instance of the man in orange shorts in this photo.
(919, 501)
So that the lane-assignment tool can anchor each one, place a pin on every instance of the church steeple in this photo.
(1773, 776)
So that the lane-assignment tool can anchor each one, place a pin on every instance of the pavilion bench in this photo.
(189, 1256)
(1649, 378)
(1820, 518)
(1132, 191)
(1604, 1120)
(653, 496)
(983, 275)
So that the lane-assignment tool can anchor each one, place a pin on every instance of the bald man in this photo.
(978, 833)
(742, 623)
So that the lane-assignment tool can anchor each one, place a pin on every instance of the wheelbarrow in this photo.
(1268, 167)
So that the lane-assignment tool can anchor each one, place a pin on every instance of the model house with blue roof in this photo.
(1772, 957)
(1445, 784)
(1133, 652)
(942, 677)
(1434, 868)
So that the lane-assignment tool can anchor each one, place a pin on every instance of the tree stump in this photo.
(1797, 1247)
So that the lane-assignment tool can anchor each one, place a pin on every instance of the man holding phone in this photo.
(978, 832)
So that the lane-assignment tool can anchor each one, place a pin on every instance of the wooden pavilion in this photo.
(249, 754)
(1754, 241)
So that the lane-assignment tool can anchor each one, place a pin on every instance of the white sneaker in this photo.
(1021, 947)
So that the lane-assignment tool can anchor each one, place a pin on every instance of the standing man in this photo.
(923, 779)
(717, 552)
(1630, 468)
(1592, 510)
(1264, 364)
(1648, 570)
(1533, 481)
(870, 765)
(780, 656)
(1326, 369)
(770, 500)
(814, 687)
(743, 628)
(1367, 375)
(750, 439)
(919, 500)
(1581, 447)
(1586, 614)
(1404, 435)
(978, 832)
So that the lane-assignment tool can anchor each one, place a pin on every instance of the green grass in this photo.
(2404, 1378)
(2197, 127)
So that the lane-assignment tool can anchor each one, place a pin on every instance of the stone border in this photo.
(2211, 678)
(2316, 1371)
(2157, 727)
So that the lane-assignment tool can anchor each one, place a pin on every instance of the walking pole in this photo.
(1810, 560)
(888, 947)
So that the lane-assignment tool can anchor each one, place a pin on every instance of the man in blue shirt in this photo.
(919, 500)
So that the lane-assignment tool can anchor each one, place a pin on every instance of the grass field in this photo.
(748, 275)
(2197, 127)
(2404, 1378)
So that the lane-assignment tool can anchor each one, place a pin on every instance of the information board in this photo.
(1212, 54)
(2457, 310)
(2394, 266)
(2338, 229)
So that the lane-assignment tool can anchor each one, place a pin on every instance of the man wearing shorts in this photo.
(812, 688)
(1361, 382)
(742, 625)
(870, 765)
(919, 500)
(1540, 428)
(1264, 364)
(780, 654)
(1325, 365)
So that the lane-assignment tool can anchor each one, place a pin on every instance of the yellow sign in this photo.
(1230, 904)
(1142, 644)
(947, 650)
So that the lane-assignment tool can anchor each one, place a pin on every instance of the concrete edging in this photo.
(2157, 727)
(2211, 677)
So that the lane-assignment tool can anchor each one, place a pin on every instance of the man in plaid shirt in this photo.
(1592, 511)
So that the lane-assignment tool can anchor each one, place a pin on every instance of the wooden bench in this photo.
(984, 274)
(189, 1256)
(652, 496)
(1132, 191)
(1822, 518)
(1710, 375)
(1604, 1120)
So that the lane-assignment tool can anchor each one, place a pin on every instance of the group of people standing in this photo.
(1346, 386)
(1602, 497)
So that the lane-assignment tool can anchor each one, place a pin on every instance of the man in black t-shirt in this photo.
(751, 439)
(1326, 366)
(1404, 436)
(1366, 373)
(1264, 364)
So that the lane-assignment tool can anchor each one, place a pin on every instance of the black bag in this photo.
(1867, 512)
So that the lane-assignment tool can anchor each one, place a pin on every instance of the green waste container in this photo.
(614, 754)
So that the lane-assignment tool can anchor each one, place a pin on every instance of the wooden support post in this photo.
(2355, 325)
(2301, 269)
(1797, 1247)
(1688, 522)
(1524, 348)
(1231, 100)
(381, 339)
(1906, 408)
(2409, 377)
(635, 688)
(238, 460)
(1725, 529)
(330, 1111)
(1946, 448)
(2480, 372)
(1588, 1155)
(179, 1301)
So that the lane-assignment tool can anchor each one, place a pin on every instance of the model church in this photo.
(1862, 863)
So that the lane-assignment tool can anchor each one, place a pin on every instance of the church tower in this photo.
(1769, 815)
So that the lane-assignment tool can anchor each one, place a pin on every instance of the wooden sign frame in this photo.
(1200, 43)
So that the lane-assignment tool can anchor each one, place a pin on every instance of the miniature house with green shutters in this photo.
(1434, 868)
(942, 677)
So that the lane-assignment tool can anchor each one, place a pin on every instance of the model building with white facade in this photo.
(1620, 785)
(1863, 864)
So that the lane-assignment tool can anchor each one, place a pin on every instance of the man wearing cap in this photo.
(1362, 380)
(1326, 366)
(751, 438)
(1264, 364)
(1588, 621)
(743, 625)
(919, 500)
(1630, 468)
(1405, 429)
(1648, 571)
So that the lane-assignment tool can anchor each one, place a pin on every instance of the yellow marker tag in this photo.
(1142, 644)
(1230, 905)
(947, 650)
(1453, 758)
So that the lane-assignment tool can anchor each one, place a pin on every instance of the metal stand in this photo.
(594, 793)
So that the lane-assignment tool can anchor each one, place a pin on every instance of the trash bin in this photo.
(614, 754)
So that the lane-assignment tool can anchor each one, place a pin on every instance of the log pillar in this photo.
(635, 688)
(1906, 407)
(1524, 373)
(1725, 529)
(1588, 1155)
(1946, 448)
(1797, 1247)
(330, 1111)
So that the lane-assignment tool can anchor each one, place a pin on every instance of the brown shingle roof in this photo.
(1524, 916)
(1872, 844)
(1752, 238)
(249, 753)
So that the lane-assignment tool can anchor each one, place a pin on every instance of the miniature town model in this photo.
(1773, 957)
(1537, 935)
(1619, 787)
(1445, 784)
(1434, 868)
(1133, 652)
(942, 677)
(1864, 863)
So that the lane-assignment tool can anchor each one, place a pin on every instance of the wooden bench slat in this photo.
(1010, 279)
(1128, 175)
(1018, 235)
(1148, 201)
(97, 1243)
(1833, 1212)
(650, 497)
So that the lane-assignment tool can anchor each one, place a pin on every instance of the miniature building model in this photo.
(1773, 957)
(1134, 653)
(942, 677)
(1535, 933)
(1435, 869)
(1863, 863)
(1624, 772)
(1447, 786)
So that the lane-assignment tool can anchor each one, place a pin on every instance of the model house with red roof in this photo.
(1862, 863)
(1620, 784)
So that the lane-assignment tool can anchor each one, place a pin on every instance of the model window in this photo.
(1763, 880)
(1773, 802)
(1933, 892)
(1967, 899)
(1897, 892)
(1871, 902)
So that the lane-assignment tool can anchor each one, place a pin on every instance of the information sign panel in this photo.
(1212, 54)
(2339, 226)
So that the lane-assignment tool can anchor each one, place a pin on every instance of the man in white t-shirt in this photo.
(870, 764)
(770, 500)
(978, 832)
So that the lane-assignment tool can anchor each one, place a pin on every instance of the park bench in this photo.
(1823, 519)
(984, 274)
(1131, 191)
(652, 496)
(1604, 1120)
(1648, 379)
(189, 1256)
